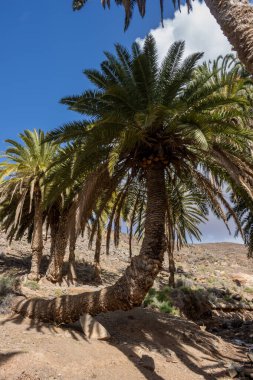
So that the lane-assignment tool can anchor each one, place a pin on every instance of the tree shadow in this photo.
(8, 355)
(152, 333)
(73, 331)
(171, 337)
(87, 275)
(16, 264)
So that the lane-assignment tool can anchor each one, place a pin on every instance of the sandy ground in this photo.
(144, 345)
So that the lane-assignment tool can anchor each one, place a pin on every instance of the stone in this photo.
(248, 372)
(232, 371)
(237, 297)
(242, 279)
(250, 355)
(148, 363)
(67, 334)
(93, 329)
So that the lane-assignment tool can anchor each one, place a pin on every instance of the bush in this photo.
(7, 285)
(33, 285)
(248, 290)
(160, 300)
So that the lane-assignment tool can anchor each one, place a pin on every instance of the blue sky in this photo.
(45, 46)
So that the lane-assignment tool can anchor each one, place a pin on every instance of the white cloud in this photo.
(202, 34)
(199, 29)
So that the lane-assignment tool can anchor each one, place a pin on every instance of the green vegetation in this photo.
(248, 290)
(7, 285)
(33, 285)
(160, 299)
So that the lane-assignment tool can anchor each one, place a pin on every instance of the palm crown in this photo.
(141, 114)
(129, 6)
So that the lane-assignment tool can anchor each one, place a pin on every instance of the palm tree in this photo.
(22, 177)
(234, 17)
(243, 207)
(150, 123)
(60, 202)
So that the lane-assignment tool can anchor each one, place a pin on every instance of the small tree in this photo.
(22, 178)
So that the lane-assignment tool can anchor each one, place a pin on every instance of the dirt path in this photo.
(144, 345)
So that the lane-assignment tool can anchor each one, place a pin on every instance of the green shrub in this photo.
(227, 298)
(33, 285)
(160, 299)
(248, 290)
(7, 285)
(166, 307)
(58, 292)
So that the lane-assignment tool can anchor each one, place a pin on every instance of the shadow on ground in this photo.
(142, 335)
(19, 265)
(7, 356)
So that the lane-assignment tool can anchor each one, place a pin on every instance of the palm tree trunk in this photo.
(236, 21)
(72, 276)
(130, 290)
(171, 268)
(37, 238)
(54, 271)
(97, 268)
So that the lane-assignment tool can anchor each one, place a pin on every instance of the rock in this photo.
(219, 272)
(248, 372)
(148, 363)
(250, 355)
(67, 334)
(242, 279)
(237, 297)
(232, 371)
(239, 342)
(93, 329)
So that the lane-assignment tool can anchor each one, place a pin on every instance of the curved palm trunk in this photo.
(236, 21)
(54, 271)
(130, 290)
(37, 238)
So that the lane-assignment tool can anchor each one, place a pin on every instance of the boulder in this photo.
(232, 371)
(92, 328)
(148, 362)
(242, 279)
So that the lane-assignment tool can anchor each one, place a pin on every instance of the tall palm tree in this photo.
(234, 17)
(149, 122)
(60, 201)
(22, 176)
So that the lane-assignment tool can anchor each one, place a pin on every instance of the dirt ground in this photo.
(144, 344)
